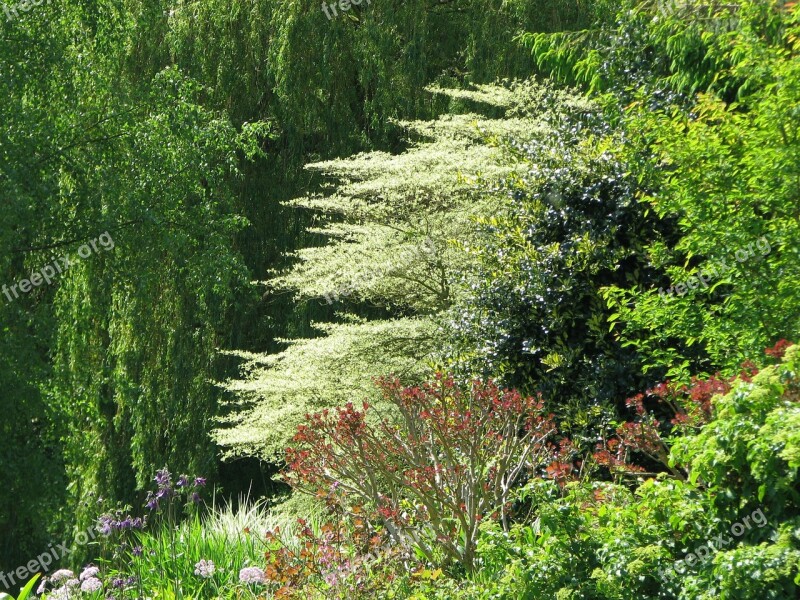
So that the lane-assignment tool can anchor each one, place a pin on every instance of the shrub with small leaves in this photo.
(446, 459)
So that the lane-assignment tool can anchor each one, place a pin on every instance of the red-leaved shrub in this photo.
(667, 410)
(443, 460)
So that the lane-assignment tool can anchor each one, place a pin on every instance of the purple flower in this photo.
(137, 551)
(199, 481)
(205, 568)
(89, 572)
(152, 502)
(73, 583)
(61, 575)
(252, 575)
(196, 498)
(91, 584)
(182, 482)
(163, 478)
(42, 586)
(61, 593)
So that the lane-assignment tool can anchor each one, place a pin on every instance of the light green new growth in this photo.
(398, 227)
(396, 216)
(315, 373)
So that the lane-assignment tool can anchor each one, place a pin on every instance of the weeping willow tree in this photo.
(137, 327)
(398, 230)
(331, 87)
(114, 382)
(340, 78)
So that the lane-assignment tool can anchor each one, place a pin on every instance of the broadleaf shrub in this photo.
(445, 460)
(728, 530)
(532, 312)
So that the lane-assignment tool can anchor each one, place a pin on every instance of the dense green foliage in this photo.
(221, 216)
(125, 335)
(729, 188)
(598, 540)
(570, 223)
(718, 172)
(117, 118)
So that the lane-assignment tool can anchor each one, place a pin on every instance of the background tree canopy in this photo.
(179, 128)
(586, 209)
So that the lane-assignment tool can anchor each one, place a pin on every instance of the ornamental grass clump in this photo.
(444, 460)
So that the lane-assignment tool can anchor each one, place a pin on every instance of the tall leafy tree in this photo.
(399, 230)
(130, 327)
(703, 92)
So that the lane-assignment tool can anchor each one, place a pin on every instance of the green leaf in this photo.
(26, 591)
